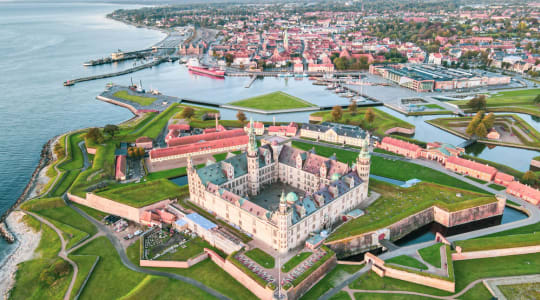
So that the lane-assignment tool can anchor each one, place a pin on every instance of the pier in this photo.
(123, 72)
(250, 82)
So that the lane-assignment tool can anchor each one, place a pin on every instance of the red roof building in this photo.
(204, 137)
(258, 127)
(144, 142)
(289, 130)
(503, 179)
(400, 147)
(228, 144)
(180, 127)
(120, 167)
(471, 168)
(524, 192)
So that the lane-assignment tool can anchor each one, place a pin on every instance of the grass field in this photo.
(395, 169)
(520, 101)
(374, 296)
(194, 247)
(262, 258)
(142, 100)
(205, 272)
(497, 187)
(498, 242)
(155, 287)
(333, 278)
(432, 255)
(372, 281)
(295, 261)
(478, 292)
(142, 194)
(404, 260)
(84, 263)
(273, 101)
(397, 203)
(327, 256)
(29, 283)
(521, 291)
(382, 122)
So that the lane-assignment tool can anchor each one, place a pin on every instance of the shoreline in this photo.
(26, 243)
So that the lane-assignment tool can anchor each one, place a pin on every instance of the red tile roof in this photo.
(523, 191)
(184, 127)
(120, 166)
(471, 165)
(503, 177)
(400, 144)
(255, 125)
(143, 139)
(197, 147)
(205, 137)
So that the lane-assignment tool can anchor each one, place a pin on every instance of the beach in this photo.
(26, 243)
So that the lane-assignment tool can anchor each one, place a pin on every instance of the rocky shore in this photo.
(26, 243)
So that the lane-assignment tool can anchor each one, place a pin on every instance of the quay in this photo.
(123, 56)
(251, 81)
(123, 72)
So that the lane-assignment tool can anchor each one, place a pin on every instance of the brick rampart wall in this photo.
(495, 252)
(299, 290)
(173, 264)
(400, 130)
(437, 283)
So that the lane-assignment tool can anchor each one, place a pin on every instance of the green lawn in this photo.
(404, 260)
(395, 169)
(521, 291)
(341, 295)
(142, 194)
(382, 122)
(172, 173)
(397, 203)
(476, 179)
(520, 101)
(432, 255)
(142, 100)
(273, 101)
(295, 261)
(94, 213)
(376, 296)
(498, 242)
(433, 106)
(478, 292)
(29, 283)
(69, 167)
(194, 247)
(262, 258)
(533, 228)
(333, 278)
(156, 125)
(84, 263)
(497, 187)
(327, 256)
(205, 272)
(155, 287)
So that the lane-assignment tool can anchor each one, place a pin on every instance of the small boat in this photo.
(331, 87)
(68, 83)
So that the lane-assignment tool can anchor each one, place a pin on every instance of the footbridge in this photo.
(388, 245)
(467, 143)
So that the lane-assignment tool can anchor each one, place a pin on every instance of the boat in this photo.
(339, 90)
(207, 71)
(68, 83)
(331, 87)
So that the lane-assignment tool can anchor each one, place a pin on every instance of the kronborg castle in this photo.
(280, 194)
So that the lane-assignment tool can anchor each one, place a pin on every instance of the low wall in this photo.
(367, 241)
(315, 118)
(437, 283)
(400, 130)
(91, 150)
(259, 291)
(173, 264)
(306, 284)
(535, 164)
(122, 104)
(495, 252)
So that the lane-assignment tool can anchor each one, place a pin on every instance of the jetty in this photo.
(250, 82)
(123, 72)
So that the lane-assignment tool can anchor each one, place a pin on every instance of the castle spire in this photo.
(252, 146)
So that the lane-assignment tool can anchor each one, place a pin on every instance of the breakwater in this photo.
(114, 74)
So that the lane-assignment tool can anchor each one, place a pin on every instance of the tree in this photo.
(478, 102)
(353, 108)
(130, 152)
(59, 151)
(140, 151)
(489, 120)
(111, 129)
(369, 116)
(529, 178)
(481, 130)
(241, 116)
(537, 99)
(337, 113)
(188, 112)
(471, 128)
(95, 135)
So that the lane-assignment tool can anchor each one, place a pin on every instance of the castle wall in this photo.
(173, 264)
(299, 290)
(495, 252)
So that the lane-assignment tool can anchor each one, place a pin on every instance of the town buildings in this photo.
(335, 133)
(280, 194)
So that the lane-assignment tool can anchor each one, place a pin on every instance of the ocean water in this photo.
(41, 45)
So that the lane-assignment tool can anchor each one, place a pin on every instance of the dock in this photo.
(250, 82)
(119, 73)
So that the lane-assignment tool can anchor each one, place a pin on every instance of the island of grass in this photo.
(407, 261)
(380, 124)
(142, 100)
(273, 101)
(513, 130)
(520, 101)
(262, 258)
(143, 194)
(397, 203)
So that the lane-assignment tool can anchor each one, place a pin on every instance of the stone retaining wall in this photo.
(312, 279)
(399, 130)
(173, 264)
(122, 104)
(495, 252)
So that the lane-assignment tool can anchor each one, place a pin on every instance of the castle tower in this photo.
(286, 40)
(191, 173)
(363, 161)
(283, 223)
(253, 161)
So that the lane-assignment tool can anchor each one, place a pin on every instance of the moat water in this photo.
(44, 44)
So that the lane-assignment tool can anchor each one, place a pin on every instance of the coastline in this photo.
(26, 243)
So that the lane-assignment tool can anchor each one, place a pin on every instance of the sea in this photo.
(42, 44)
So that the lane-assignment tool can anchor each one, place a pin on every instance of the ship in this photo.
(207, 71)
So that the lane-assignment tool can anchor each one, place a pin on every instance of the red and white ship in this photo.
(194, 66)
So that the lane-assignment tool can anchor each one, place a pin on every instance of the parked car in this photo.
(138, 232)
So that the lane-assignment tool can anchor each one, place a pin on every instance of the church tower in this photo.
(363, 161)
(286, 40)
(283, 224)
(253, 161)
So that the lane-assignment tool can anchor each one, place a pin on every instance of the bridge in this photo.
(467, 143)
(388, 245)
